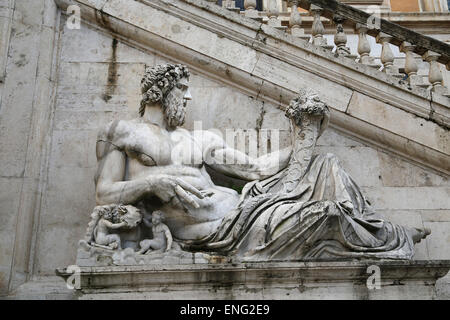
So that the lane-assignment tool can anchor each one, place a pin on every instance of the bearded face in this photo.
(173, 100)
(174, 107)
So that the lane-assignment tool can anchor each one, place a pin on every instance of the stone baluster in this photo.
(340, 38)
(231, 6)
(273, 13)
(364, 47)
(387, 56)
(411, 66)
(317, 28)
(250, 9)
(228, 4)
(435, 75)
(295, 22)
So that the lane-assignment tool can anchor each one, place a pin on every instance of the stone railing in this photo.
(415, 46)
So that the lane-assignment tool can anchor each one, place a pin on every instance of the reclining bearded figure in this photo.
(296, 206)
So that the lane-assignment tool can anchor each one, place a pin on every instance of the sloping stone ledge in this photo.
(262, 280)
(271, 65)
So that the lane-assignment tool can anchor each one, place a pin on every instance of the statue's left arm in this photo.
(169, 238)
(111, 225)
(231, 162)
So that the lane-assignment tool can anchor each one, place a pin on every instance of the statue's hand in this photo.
(168, 187)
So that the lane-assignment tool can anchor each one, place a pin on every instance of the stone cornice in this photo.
(257, 47)
(399, 34)
(258, 275)
(424, 22)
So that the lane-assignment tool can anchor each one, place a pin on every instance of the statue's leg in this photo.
(148, 246)
(114, 238)
(156, 244)
(144, 246)
(417, 234)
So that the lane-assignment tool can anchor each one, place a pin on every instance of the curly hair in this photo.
(159, 214)
(158, 81)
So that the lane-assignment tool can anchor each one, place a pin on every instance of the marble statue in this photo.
(295, 205)
(162, 237)
(105, 219)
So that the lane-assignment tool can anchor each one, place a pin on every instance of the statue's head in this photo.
(157, 217)
(118, 213)
(166, 84)
(110, 213)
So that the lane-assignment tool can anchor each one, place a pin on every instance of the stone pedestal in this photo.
(263, 280)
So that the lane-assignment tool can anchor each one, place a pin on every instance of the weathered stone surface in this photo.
(333, 138)
(399, 121)
(396, 172)
(357, 169)
(10, 187)
(25, 112)
(86, 56)
(412, 219)
(259, 224)
(295, 280)
(42, 288)
(69, 199)
(335, 95)
(197, 83)
(435, 246)
(288, 50)
(427, 198)
(435, 215)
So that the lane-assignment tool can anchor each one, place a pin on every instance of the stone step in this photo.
(305, 37)
(374, 65)
(398, 75)
(236, 10)
(351, 56)
(320, 280)
(259, 19)
(328, 47)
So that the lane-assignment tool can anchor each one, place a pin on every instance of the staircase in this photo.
(415, 46)
(386, 106)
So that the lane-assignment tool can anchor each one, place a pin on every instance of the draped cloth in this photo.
(325, 217)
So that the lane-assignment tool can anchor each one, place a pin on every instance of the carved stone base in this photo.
(99, 256)
(263, 280)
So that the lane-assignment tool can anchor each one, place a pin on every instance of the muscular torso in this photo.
(151, 151)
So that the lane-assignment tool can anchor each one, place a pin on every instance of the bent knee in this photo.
(330, 157)
(114, 237)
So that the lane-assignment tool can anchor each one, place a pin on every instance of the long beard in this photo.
(174, 110)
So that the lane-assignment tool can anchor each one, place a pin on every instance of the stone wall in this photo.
(61, 87)
(27, 90)
(98, 81)
(405, 5)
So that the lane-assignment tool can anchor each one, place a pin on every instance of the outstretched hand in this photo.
(168, 187)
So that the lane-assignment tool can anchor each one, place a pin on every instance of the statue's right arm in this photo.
(111, 187)
(147, 222)
(111, 225)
